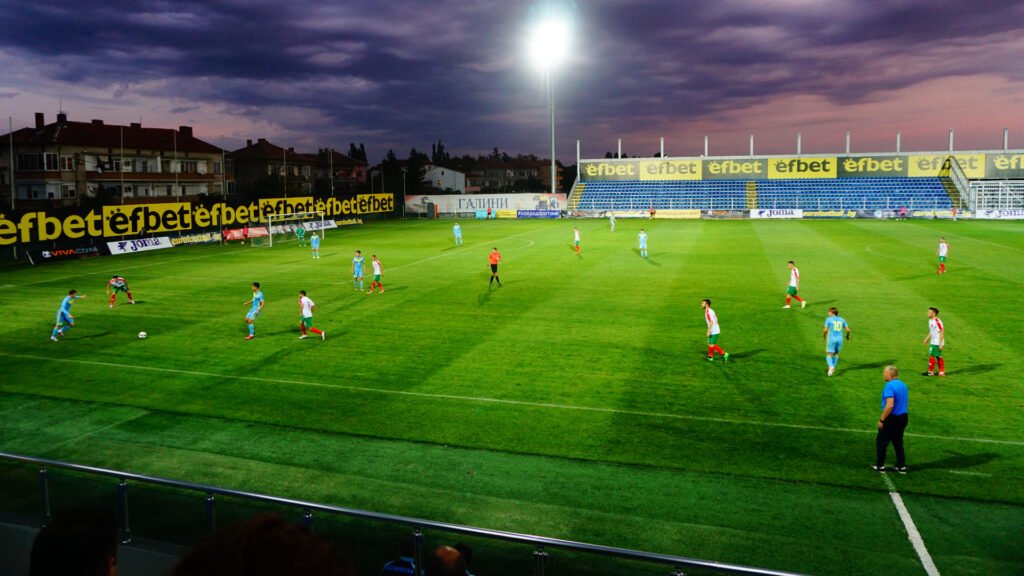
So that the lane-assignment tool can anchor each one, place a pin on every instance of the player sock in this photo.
(798, 299)
(787, 300)
(316, 331)
(112, 299)
(942, 364)
(252, 329)
(130, 297)
(931, 363)
(303, 328)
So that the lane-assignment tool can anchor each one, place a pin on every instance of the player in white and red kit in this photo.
(713, 331)
(118, 284)
(943, 253)
(306, 307)
(794, 285)
(936, 340)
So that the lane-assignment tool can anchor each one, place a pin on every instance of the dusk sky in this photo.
(403, 73)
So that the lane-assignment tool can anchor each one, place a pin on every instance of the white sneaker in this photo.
(831, 371)
(53, 338)
(803, 304)
(323, 335)
(785, 307)
(303, 337)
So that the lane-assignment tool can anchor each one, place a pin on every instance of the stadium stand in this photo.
(818, 194)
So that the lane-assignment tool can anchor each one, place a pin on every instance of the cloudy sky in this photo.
(404, 73)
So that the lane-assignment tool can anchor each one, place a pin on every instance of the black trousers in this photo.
(892, 431)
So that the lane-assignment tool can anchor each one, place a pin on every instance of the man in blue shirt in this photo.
(893, 420)
(65, 321)
(835, 326)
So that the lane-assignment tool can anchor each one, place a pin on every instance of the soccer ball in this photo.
(142, 335)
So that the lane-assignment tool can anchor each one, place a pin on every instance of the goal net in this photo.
(297, 227)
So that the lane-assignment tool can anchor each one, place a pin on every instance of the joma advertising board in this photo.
(22, 227)
(1008, 165)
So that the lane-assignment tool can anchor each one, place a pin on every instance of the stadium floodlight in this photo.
(548, 46)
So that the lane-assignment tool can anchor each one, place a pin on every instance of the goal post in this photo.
(286, 228)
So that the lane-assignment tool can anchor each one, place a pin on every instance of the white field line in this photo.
(912, 534)
(119, 268)
(486, 400)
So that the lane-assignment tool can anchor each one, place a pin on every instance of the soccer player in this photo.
(954, 213)
(458, 234)
(576, 238)
(835, 325)
(377, 270)
(942, 253)
(495, 259)
(118, 284)
(300, 233)
(794, 286)
(357, 270)
(257, 307)
(642, 236)
(65, 320)
(936, 340)
(713, 331)
(314, 243)
(306, 307)
(611, 220)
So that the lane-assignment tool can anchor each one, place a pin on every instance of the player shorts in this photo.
(833, 346)
(935, 351)
(253, 314)
(307, 321)
(494, 268)
(713, 339)
(577, 243)
(376, 277)
(64, 319)
(942, 258)
(120, 288)
(791, 290)
(643, 246)
(358, 273)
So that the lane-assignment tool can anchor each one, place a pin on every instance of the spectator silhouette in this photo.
(265, 545)
(445, 561)
(78, 542)
(467, 555)
(405, 564)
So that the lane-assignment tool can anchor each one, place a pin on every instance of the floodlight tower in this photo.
(548, 46)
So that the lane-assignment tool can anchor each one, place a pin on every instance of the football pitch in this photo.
(573, 402)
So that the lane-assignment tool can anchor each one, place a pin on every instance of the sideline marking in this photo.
(912, 534)
(500, 400)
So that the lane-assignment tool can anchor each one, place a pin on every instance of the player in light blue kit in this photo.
(65, 321)
(314, 243)
(458, 234)
(357, 270)
(835, 326)
(642, 236)
(257, 307)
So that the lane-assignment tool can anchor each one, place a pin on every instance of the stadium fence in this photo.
(539, 544)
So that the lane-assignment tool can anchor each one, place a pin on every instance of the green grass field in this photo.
(575, 401)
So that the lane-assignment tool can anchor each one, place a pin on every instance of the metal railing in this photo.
(997, 194)
(540, 544)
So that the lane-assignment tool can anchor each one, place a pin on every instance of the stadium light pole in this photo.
(548, 46)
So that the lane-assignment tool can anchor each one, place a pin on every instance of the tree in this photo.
(415, 169)
(438, 154)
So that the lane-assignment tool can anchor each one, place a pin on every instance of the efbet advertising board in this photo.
(138, 219)
(1007, 165)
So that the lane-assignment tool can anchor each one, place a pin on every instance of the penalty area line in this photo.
(504, 401)
(912, 534)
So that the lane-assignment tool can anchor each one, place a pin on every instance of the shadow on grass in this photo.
(871, 365)
(913, 277)
(958, 462)
(73, 336)
(976, 369)
(747, 354)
